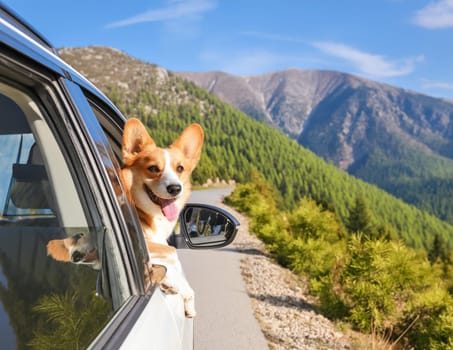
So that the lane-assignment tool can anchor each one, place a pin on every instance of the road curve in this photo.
(224, 318)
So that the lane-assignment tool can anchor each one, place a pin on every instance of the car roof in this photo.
(12, 17)
(22, 37)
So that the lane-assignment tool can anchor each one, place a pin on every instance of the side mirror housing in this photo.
(204, 226)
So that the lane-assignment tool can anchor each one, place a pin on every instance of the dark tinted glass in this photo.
(52, 291)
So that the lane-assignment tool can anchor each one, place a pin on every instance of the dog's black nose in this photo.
(174, 189)
(77, 256)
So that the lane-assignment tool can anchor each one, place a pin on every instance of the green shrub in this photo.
(329, 294)
(314, 257)
(379, 280)
(430, 320)
(309, 220)
(377, 284)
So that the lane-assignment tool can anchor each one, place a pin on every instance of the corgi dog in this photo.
(157, 181)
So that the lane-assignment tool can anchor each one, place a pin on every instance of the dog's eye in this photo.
(179, 168)
(154, 169)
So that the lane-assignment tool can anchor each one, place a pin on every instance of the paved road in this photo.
(224, 318)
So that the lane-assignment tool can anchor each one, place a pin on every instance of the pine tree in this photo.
(359, 219)
(438, 250)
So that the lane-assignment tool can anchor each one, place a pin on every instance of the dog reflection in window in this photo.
(78, 249)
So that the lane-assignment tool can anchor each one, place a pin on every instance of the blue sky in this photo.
(405, 43)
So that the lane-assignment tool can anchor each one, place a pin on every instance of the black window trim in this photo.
(109, 210)
(109, 116)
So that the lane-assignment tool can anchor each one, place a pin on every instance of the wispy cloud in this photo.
(435, 15)
(250, 61)
(430, 84)
(373, 65)
(175, 10)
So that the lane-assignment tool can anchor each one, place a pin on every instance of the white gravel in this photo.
(280, 301)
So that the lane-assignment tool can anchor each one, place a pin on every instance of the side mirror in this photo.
(207, 226)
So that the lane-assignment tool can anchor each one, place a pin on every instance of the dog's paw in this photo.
(189, 307)
(168, 288)
(157, 273)
(172, 281)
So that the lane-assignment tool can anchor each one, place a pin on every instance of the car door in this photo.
(61, 202)
(51, 196)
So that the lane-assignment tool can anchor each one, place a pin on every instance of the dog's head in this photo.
(78, 249)
(159, 178)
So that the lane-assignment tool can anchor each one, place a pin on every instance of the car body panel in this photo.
(173, 329)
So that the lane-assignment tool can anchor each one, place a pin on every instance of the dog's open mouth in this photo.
(168, 206)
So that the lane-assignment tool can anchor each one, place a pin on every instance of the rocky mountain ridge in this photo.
(277, 97)
(342, 108)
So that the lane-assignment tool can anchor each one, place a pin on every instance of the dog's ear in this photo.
(190, 142)
(57, 250)
(135, 138)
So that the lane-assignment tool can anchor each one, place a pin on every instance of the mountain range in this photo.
(399, 140)
(238, 146)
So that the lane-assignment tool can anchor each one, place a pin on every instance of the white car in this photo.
(60, 142)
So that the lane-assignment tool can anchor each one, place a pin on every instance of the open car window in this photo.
(113, 162)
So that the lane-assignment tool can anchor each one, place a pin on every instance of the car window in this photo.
(112, 131)
(54, 290)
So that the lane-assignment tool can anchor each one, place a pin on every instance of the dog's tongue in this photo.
(169, 209)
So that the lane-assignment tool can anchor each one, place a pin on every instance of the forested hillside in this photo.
(237, 145)
(399, 140)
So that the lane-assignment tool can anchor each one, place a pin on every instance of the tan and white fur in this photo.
(78, 249)
(158, 183)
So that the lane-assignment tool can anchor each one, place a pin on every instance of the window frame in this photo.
(112, 122)
(86, 123)
(98, 146)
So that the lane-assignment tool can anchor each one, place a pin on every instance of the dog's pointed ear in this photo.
(135, 138)
(190, 142)
(57, 250)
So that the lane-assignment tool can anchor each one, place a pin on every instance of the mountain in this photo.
(397, 139)
(237, 146)
(284, 99)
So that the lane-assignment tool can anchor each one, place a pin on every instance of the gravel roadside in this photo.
(280, 301)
